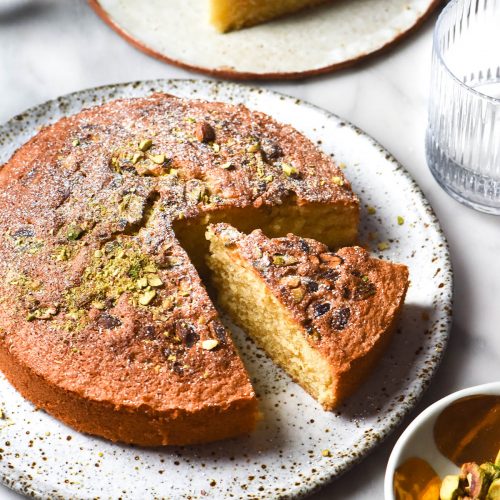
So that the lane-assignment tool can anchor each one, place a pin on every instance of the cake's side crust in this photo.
(346, 303)
(142, 426)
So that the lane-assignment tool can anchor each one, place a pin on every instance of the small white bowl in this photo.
(418, 439)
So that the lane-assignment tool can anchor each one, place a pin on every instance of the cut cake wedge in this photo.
(324, 317)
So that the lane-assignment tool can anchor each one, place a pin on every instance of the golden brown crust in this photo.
(346, 301)
(102, 311)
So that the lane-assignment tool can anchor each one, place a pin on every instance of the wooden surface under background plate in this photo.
(286, 455)
(311, 42)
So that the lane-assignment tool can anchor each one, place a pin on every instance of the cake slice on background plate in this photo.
(227, 15)
(324, 317)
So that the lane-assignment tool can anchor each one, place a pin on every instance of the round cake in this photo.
(104, 320)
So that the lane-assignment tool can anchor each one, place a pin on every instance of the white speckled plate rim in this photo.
(43, 458)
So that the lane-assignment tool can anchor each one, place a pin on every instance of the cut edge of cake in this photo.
(229, 15)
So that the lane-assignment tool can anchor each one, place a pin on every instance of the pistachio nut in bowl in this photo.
(450, 451)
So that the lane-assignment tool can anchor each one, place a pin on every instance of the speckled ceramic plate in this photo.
(42, 457)
(311, 42)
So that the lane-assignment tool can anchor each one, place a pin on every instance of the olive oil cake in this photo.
(105, 322)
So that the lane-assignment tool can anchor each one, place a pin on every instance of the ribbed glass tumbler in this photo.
(463, 134)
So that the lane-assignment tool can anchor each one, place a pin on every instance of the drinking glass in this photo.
(463, 134)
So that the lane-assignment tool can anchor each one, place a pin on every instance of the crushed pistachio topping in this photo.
(326, 453)
(42, 313)
(209, 344)
(297, 294)
(147, 297)
(288, 170)
(23, 281)
(76, 142)
(158, 159)
(62, 253)
(383, 245)
(145, 144)
(254, 147)
(371, 210)
(226, 166)
(138, 157)
(118, 268)
(284, 260)
(338, 180)
(24, 241)
(74, 232)
(401, 220)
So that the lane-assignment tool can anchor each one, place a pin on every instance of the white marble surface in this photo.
(52, 47)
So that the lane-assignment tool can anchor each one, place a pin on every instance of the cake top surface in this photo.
(97, 294)
(343, 299)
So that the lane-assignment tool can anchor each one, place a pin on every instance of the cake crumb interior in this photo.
(245, 296)
(335, 226)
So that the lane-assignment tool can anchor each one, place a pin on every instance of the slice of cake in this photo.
(229, 15)
(324, 317)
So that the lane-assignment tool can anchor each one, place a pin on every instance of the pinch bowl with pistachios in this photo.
(450, 451)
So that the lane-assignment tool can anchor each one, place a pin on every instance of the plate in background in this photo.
(42, 457)
(311, 42)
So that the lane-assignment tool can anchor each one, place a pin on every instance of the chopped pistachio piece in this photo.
(383, 245)
(74, 232)
(227, 166)
(145, 144)
(326, 453)
(154, 280)
(62, 254)
(42, 313)
(76, 142)
(98, 304)
(137, 156)
(288, 170)
(158, 159)
(98, 254)
(142, 283)
(253, 148)
(297, 294)
(147, 297)
(450, 488)
(216, 147)
(284, 260)
(338, 180)
(278, 260)
(372, 210)
(209, 344)
(401, 220)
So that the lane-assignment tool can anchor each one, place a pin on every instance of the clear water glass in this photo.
(463, 134)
